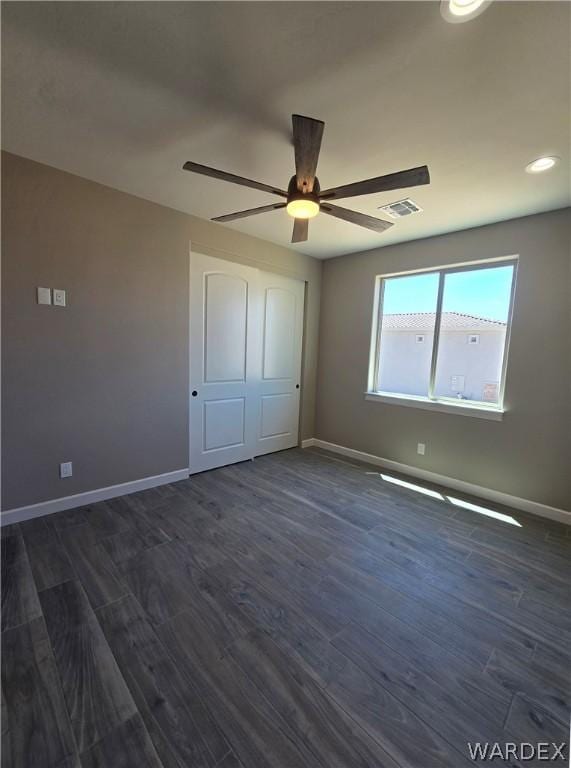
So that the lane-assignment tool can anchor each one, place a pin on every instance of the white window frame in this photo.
(431, 401)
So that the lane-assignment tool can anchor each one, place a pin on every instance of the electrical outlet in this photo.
(59, 297)
(421, 448)
(66, 469)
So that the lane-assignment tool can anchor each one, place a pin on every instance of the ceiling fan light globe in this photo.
(301, 208)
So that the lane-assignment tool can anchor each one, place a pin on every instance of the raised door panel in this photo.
(224, 423)
(276, 415)
(225, 327)
(279, 333)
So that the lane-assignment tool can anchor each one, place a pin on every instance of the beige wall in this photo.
(104, 382)
(528, 454)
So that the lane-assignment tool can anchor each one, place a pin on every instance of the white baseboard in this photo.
(524, 505)
(19, 514)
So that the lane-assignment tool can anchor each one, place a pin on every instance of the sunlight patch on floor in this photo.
(413, 487)
(483, 511)
(452, 499)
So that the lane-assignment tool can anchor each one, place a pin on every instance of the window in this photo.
(440, 336)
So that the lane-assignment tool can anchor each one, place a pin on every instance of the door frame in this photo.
(216, 253)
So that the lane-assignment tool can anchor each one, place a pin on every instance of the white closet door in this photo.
(225, 359)
(281, 340)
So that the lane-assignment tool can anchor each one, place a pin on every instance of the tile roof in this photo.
(451, 321)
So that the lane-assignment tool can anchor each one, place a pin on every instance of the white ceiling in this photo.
(124, 93)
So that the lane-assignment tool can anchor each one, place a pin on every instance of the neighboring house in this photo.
(470, 355)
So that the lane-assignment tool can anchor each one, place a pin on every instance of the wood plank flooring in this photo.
(296, 611)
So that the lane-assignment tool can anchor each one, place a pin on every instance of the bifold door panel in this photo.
(245, 362)
(282, 307)
(224, 315)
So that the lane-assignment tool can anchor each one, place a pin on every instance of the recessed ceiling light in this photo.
(542, 164)
(456, 11)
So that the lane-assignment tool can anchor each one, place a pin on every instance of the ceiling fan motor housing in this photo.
(293, 193)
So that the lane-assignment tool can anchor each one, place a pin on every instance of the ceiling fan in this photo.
(304, 198)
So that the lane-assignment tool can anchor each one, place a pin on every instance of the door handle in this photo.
(297, 386)
(194, 393)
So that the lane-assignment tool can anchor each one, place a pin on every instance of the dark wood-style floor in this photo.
(290, 612)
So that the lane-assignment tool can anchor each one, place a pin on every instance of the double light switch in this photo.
(55, 297)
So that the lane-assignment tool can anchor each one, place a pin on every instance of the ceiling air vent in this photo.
(401, 208)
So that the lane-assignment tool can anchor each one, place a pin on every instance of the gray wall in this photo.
(104, 382)
(528, 454)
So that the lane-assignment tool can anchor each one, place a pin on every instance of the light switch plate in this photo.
(44, 295)
(59, 297)
(421, 448)
(66, 469)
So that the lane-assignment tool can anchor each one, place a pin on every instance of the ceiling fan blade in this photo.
(249, 212)
(353, 217)
(413, 177)
(223, 176)
(307, 134)
(300, 230)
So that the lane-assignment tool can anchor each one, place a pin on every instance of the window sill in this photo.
(477, 411)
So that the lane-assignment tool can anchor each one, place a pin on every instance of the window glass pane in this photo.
(407, 333)
(475, 307)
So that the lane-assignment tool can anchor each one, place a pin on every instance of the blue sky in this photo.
(482, 292)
